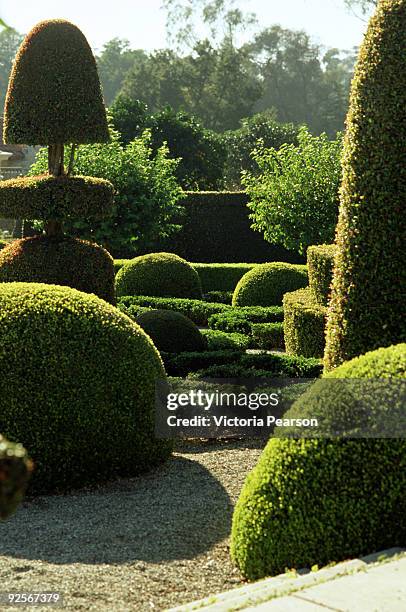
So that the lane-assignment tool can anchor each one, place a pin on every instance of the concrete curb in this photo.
(254, 594)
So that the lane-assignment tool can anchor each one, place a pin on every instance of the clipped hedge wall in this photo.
(197, 311)
(56, 197)
(160, 275)
(316, 501)
(366, 309)
(77, 382)
(304, 324)
(15, 471)
(320, 264)
(266, 284)
(54, 94)
(268, 335)
(61, 260)
(171, 332)
(216, 227)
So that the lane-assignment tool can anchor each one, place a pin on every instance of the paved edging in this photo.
(256, 593)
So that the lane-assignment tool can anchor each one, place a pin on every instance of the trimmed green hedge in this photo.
(266, 284)
(219, 297)
(197, 311)
(240, 320)
(216, 227)
(159, 274)
(219, 340)
(77, 382)
(268, 335)
(239, 364)
(54, 93)
(56, 197)
(320, 263)
(171, 332)
(316, 501)
(15, 471)
(304, 324)
(366, 309)
(221, 276)
(58, 260)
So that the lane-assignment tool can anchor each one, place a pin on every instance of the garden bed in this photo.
(144, 543)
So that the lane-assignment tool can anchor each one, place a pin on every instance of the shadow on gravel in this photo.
(177, 512)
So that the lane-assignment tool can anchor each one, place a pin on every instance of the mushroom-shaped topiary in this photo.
(159, 274)
(54, 98)
(171, 332)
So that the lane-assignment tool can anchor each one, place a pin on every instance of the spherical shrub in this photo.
(266, 284)
(15, 470)
(159, 274)
(54, 93)
(313, 501)
(61, 260)
(171, 331)
(77, 383)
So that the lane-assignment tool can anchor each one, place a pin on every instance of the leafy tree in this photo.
(294, 199)
(114, 62)
(364, 5)
(241, 142)
(129, 116)
(10, 40)
(147, 193)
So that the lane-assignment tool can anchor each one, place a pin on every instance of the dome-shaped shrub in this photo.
(77, 383)
(366, 309)
(15, 470)
(171, 331)
(54, 93)
(159, 274)
(266, 284)
(59, 260)
(314, 501)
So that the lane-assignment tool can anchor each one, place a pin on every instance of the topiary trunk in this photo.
(368, 292)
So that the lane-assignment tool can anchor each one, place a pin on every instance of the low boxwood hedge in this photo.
(304, 324)
(184, 363)
(240, 320)
(268, 335)
(159, 274)
(321, 500)
(320, 263)
(77, 382)
(15, 471)
(197, 311)
(219, 340)
(266, 284)
(219, 297)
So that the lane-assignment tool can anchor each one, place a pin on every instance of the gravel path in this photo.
(145, 543)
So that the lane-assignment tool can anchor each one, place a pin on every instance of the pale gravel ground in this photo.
(146, 543)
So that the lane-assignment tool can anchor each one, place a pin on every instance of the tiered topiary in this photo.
(77, 386)
(54, 98)
(266, 284)
(314, 501)
(368, 292)
(159, 274)
(15, 470)
(171, 331)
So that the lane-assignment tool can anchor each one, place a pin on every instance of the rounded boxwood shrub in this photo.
(56, 197)
(60, 260)
(77, 382)
(159, 274)
(54, 93)
(15, 471)
(266, 284)
(314, 501)
(320, 263)
(171, 331)
(366, 309)
(303, 324)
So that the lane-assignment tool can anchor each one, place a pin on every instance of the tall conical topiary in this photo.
(368, 291)
(54, 98)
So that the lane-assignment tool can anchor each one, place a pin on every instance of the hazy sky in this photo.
(143, 22)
